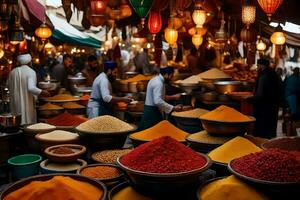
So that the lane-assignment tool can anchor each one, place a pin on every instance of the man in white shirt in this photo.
(155, 102)
(22, 86)
(101, 96)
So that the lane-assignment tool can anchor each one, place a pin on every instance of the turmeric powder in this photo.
(230, 188)
(130, 194)
(50, 106)
(234, 148)
(226, 114)
(164, 128)
(72, 105)
(137, 78)
(58, 188)
(62, 97)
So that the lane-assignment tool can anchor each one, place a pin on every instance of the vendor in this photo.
(156, 99)
(101, 96)
(22, 86)
(91, 71)
(61, 71)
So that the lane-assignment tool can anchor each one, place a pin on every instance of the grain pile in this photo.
(50, 106)
(190, 80)
(40, 126)
(195, 113)
(213, 73)
(58, 135)
(103, 124)
(109, 156)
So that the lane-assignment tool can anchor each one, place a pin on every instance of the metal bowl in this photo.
(26, 181)
(163, 184)
(208, 96)
(84, 89)
(225, 87)
(78, 79)
(48, 85)
(8, 120)
(226, 128)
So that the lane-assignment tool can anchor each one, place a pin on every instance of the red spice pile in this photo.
(66, 119)
(270, 165)
(163, 155)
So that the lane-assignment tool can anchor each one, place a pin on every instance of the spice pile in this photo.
(101, 172)
(163, 128)
(129, 193)
(204, 137)
(109, 156)
(234, 148)
(270, 165)
(66, 119)
(137, 78)
(63, 150)
(58, 188)
(229, 188)
(85, 97)
(285, 143)
(58, 135)
(50, 106)
(62, 97)
(104, 124)
(195, 113)
(72, 105)
(226, 114)
(163, 155)
(40, 126)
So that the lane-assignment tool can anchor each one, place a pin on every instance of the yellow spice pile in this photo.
(50, 106)
(72, 105)
(105, 123)
(137, 78)
(61, 97)
(234, 148)
(195, 113)
(226, 114)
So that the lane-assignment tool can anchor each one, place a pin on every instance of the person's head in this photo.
(67, 60)
(167, 73)
(296, 71)
(93, 62)
(24, 59)
(262, 64)
(111, 70)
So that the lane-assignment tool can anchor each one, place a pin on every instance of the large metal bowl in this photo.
(225, 87)
(9, 120)
(226, 128)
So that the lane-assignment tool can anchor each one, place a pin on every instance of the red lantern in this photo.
(269, 6)
(98, 7)
(154, 22)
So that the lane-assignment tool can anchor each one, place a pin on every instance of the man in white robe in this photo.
(23, 91)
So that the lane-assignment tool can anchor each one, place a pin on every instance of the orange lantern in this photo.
(171, 36)
(197, 40)
(98, 7)
(43, 32)
(125, 10)
(270, 6)
(200, 31)
(278, 38)
(154, 22)
(248, 14)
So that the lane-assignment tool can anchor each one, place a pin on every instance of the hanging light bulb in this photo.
(248, 14)
(171, 35)
(278, 38)
(199, 16)
(197, 40)
(43, 32)
(17, 34)
(261, 46)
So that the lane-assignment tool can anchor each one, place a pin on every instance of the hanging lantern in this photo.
(199, 16)
(154, 22)
(270, 6)
(43, 32)
(261, 46)
(49, 46)
(115, 14)
(142, 8)
(97, 20)
(197, 40)
(125, 10)
(98, 7)
(248, 35)
(248, 14)
(200, 31)
(17, 34)
(23, 46)
(175, 22)
(171, 36)
(278, 38)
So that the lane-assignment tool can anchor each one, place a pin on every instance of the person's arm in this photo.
(31, 85)
(159, 101)
(107, 96)
(174, 97)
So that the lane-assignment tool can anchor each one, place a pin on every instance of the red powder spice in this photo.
(66, 119)
(270, 165)
(163, 155)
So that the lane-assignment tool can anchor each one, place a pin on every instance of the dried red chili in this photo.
(66, 119)
(163, 155)
(270, 165)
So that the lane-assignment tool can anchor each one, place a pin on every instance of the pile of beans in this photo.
(270, 165)
(109, 156)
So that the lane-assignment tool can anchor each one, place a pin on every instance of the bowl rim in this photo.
(252, 119)
(263, 145)
(225, 83)
(46, 161)
(166, 175)
(117, 189)
(134, 128)
(65, 140)
(102, 164)
(39, 158)
(143, 140)
(254, 180)
(73, 176)
(82, 149)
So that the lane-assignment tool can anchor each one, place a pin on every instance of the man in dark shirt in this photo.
(61, 71)
(266, 100)
(292, 93)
